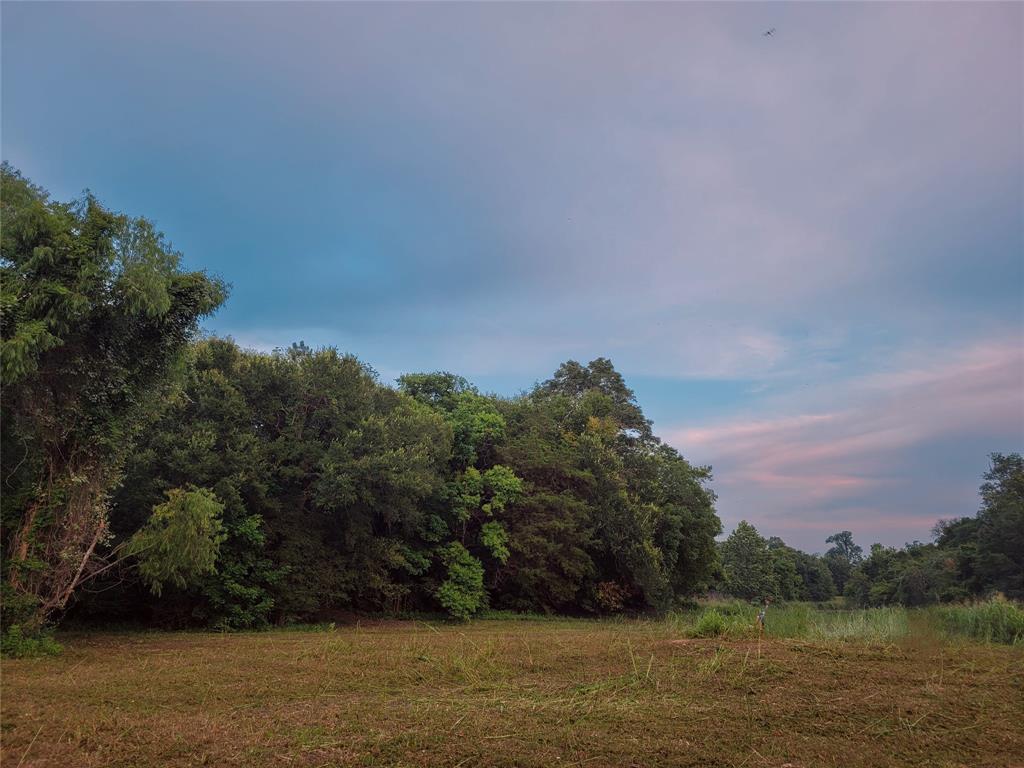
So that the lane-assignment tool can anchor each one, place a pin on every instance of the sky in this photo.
(805, 252)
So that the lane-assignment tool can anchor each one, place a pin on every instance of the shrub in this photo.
(16, 644)
(710, 624)
(462, 594)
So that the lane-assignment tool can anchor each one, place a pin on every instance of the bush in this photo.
(462, 594)
(710, 624)
(16, 644)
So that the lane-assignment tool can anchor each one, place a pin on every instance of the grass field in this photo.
(519, 692)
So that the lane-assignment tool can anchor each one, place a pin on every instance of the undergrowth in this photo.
(15, 643)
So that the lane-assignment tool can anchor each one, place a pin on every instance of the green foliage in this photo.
(815, 578)
(17, 644)
(181, 539)
(998, 560)
(462, 593)
(440, 390)
(710, 624)
(494, 537)
(788, 582)
(16, 608)
(502, 488)
(96, 315)
(747, 564)
(971, 556)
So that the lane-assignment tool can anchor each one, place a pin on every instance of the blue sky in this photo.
(804, 252)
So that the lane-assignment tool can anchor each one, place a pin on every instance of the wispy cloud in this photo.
(868, 459)
(828, 221)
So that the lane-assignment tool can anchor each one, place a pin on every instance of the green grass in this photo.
(993, 621)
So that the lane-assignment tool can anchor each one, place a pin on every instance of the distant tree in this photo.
(845, 547)
(788, 583)
(1000, 532)
(815, 576)
(747, 564)
(843, 557)
(918, 574)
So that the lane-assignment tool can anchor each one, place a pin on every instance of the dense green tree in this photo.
(1000, 526)
(95, 315)
(205, 436)
(843, 557)
(844, 546)
(747, 564)
(643, 495)
(788, 583)
(815, 577)
(971, 556)
(550, 566)
(462, 593)
(180, 540)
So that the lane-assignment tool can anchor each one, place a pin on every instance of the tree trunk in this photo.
(64, 541)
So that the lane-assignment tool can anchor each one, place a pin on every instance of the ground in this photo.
(504, 693)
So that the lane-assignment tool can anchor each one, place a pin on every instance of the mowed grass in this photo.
(514, 692)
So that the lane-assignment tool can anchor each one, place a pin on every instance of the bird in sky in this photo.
(769, 33)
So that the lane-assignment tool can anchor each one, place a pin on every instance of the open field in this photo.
(514, 692)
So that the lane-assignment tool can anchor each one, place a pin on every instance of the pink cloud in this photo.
(807, 471)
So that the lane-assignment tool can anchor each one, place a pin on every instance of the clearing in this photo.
(511, 692)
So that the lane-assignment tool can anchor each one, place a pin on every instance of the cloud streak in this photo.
(826, 223)
(868, 459)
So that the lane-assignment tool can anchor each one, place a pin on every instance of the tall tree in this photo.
(747, 564)
(1001, 525)
(843, 557)
(989, 547)
(96, 313)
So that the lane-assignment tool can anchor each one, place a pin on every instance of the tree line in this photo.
(152, 474)
(970, 557)
(247, 488)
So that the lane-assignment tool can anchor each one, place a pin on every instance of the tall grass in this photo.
(994, 621)
(878, 625)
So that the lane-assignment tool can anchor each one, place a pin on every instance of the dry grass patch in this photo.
(510, 693)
